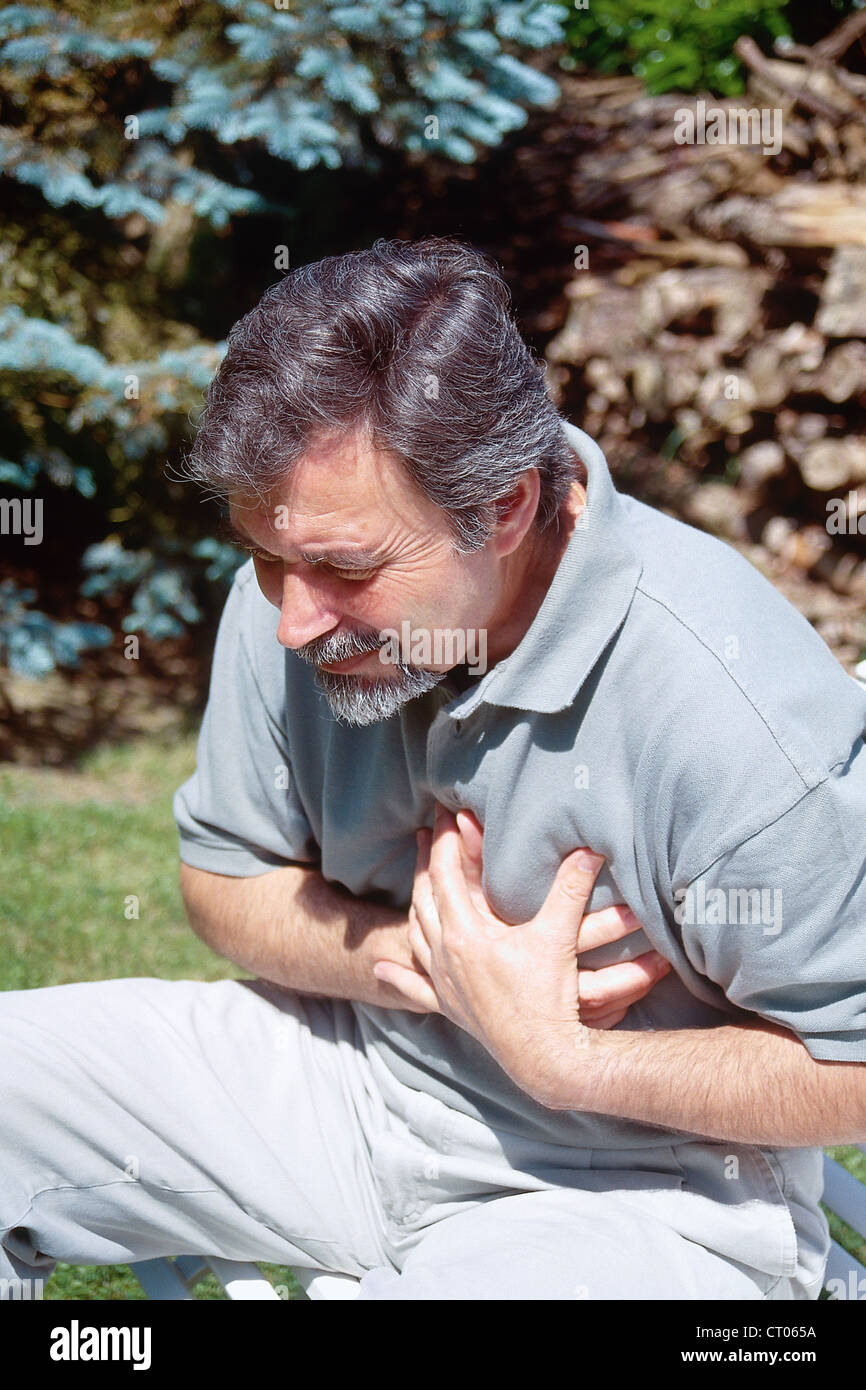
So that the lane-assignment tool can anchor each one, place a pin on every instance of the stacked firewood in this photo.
(717, 310)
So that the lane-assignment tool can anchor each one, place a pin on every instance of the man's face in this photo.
(347, 548)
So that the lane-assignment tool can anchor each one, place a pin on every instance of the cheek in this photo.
(418, 604)
(432, 596)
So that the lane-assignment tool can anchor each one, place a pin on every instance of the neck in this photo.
(529, 575)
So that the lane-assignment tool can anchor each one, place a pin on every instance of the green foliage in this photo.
(680, 45)
(32, 644)
(162, 581)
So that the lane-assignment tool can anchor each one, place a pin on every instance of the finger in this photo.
(471, 839)
(446, 873)
(606, 1021)
(420, 945)
(410, 984)
(611, 986)
(471, 836)
(594, 1011)
(565, 904)
(423, 901)
(606, 925)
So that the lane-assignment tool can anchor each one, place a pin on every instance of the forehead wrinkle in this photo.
(325, 505)
(345, 555)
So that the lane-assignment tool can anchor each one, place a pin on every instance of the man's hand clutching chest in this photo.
(515, 988)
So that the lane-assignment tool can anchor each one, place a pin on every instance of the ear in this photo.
(516, 514)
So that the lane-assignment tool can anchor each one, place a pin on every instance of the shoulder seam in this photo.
(817, 776)
(732, 849)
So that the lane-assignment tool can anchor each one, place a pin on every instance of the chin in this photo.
(361, 700)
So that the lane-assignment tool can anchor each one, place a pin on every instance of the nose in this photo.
(305, 613)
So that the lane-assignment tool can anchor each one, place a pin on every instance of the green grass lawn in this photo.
(77, 848)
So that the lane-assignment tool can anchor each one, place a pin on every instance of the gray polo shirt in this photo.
(666, 707)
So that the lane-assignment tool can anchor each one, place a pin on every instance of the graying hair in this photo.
(413, 343)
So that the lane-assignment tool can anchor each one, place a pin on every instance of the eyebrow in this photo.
(339, 559)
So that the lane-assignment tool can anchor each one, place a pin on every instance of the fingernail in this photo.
(589, 859)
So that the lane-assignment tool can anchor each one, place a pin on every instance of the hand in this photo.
(605, 993)
(514, 988)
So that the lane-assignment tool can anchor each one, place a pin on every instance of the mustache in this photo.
(339, 646)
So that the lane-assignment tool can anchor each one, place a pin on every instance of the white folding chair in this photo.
(174, 1278)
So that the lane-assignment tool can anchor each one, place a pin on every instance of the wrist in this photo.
(387, 942)
(381, 940)
(562, 1075)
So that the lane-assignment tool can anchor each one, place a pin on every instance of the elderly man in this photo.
(501, 698)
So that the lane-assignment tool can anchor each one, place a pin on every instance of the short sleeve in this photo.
(239, 814)
(779, 922)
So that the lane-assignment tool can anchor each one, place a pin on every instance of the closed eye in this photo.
(351, 574)
(259, 554)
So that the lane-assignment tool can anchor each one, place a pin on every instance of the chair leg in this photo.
(242, 1281)
(318, 1284)
(161, 1280)
(175, 1279)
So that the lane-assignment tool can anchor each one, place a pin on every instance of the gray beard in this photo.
(358, 700)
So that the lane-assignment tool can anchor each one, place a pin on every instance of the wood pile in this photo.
(716, 313)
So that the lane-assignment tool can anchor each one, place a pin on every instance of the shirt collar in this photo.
(586, 604)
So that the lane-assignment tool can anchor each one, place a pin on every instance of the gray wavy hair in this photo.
(414, 343)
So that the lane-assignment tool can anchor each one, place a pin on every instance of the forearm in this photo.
(752, 1083)
(292, 927)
